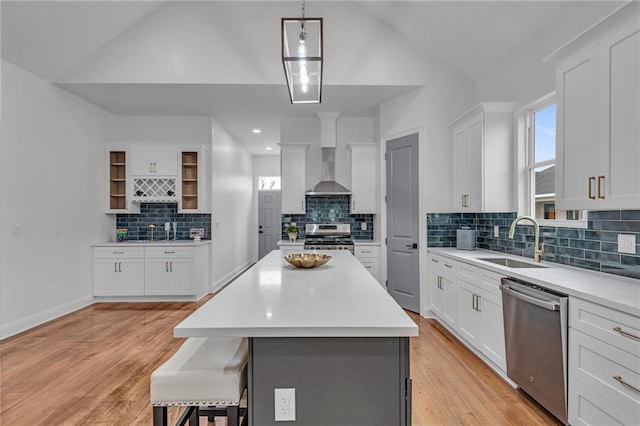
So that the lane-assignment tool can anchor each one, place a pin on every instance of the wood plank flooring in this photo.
(92, 367)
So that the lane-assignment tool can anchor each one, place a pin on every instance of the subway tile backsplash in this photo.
(158, 214)
(594, 248)
(331, 209)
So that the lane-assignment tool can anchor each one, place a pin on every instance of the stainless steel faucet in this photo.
(538, 249)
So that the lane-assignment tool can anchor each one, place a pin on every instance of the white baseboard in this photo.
(24, 324)
(217, 285)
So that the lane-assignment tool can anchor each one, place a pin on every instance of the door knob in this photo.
(412, 246)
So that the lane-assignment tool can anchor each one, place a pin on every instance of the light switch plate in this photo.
(496, 231)
(626, 243)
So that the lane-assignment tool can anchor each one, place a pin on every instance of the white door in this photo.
(403, 268)
(269, 221)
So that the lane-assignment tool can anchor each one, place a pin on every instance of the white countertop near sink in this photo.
(620, 293)
(162, 243)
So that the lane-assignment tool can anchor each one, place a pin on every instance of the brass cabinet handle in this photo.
(170, 266)
(169, 252)
(439, 282)
(448, 266)
(118, 252)
(623, 383)
(166, 266)
(119, 266)
(150, 167)
(473, 301)
(591, 180)
(625, 333)
(115, 266)
(478, 302)
(434, 260)
(600, 179)
(462, 201)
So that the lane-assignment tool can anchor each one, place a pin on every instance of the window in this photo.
(269, 183)
(541, 165)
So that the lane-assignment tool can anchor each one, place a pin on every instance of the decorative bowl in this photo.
(307, 260)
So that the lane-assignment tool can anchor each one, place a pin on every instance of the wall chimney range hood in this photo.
(328, 142)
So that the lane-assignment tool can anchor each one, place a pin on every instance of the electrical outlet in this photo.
(496, 231)
(285, 404)
(363, 226)
(626, 243)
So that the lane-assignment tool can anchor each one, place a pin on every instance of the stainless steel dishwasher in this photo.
(535, 329)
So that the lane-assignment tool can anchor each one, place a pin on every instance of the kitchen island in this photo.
(332, 333)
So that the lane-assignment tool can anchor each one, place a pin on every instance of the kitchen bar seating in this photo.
(204, 372)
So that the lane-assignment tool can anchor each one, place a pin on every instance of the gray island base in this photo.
(337, 380)
(332, 333)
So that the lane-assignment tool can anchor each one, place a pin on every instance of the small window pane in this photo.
(545, 134)
(269, 183)
(545, 192)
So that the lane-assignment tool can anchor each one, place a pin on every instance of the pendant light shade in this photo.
(302, 51)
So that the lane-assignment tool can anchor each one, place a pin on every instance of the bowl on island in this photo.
(307, 260)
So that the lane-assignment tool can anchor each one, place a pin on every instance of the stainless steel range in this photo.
(328, 236)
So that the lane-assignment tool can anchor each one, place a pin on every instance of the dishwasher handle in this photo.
(551, 306)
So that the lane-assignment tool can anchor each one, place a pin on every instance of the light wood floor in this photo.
(92, 367)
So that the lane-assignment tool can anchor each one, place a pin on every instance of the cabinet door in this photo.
(436, 293)
(181, 277)
(131, 277)
(476, 161)
(468, 316)
(460, 167)
(157, 280)
(492, 328)
(450, 300)
(363, 179)
(140, 163)
(293, 178)
(579, 109)
(164, 161)
(105, 281)
(619, 174)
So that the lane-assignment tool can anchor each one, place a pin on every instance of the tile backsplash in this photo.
(158, 214)
(331, 209)
(593, 248)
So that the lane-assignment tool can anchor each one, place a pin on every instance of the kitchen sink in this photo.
(510, 263)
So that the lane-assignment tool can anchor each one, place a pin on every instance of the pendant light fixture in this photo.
(302, 58)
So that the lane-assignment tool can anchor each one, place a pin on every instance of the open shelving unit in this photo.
(189, 161)
(117, 180)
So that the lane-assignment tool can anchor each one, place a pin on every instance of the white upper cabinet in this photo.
(293, 177)
(598, 138)
(482, 148)
(363, 178)
(154, 161)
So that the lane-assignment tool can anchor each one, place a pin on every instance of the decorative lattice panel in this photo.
(154, 189)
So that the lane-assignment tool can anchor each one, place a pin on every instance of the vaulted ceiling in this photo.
(59, 41)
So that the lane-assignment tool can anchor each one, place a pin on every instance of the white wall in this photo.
(233, 232)
(52, 187)
(159, 129)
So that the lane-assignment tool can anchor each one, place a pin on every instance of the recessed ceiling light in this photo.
(257, 131)
(268, 148)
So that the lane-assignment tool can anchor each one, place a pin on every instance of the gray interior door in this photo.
(269, 221)
(403, 267)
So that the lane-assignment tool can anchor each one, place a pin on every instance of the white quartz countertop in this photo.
(145, 243)
(274, 299)
(620, 293)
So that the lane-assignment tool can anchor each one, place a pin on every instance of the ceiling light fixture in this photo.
(268, 148)
(257, 131)
(302, 56)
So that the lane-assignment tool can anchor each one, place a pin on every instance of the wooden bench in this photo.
(207, 375)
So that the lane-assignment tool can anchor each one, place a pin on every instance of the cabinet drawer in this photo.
(367, 251)
(371, 265)
(606, 324)
(118, 252)
(467, 273)
(588, 407)
(595, 364)
(168, 252)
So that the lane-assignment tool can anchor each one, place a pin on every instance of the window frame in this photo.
(530, 165)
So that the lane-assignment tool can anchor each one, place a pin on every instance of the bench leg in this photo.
(233, 416)
(159, 416)
(194, 419)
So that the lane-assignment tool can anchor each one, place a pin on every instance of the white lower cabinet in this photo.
(480, 319)
(369, 256)
(604, 365)
(118, 272)
(151, 271)
(442, 289)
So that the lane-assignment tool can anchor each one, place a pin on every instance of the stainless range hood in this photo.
(328, 142)
(328, 185)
